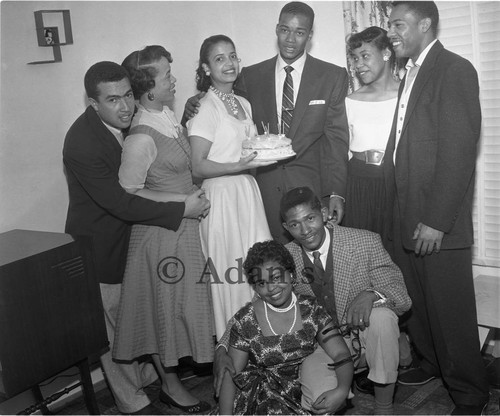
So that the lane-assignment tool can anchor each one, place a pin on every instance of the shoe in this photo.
(150, 409)
(469, 410)
(415, 377)
(199, 407)
(363, 384)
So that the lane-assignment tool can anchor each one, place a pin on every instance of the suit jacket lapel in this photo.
(389, 150)
(423, 75)
(342, 270)
(305, 94)
(104, 135)
(268, 95)
(301, 282)
(342, 253)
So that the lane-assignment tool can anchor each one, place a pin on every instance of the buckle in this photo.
(374, 157)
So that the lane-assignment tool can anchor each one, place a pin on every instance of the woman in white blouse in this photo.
(370, 112)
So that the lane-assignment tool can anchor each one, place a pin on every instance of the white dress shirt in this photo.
(323, 250)
(116, 132)
(280, 75)
(405, 96)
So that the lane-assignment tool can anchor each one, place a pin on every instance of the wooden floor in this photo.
(430, 399)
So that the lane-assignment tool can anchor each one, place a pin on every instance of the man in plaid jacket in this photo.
(357, 283)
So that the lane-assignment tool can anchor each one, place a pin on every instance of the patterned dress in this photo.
(165, 305)
(270, 382)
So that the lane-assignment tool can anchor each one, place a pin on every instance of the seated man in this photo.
(354, 278)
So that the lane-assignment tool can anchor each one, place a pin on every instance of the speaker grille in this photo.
(71, 268)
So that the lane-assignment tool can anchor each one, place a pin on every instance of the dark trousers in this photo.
(443, 320)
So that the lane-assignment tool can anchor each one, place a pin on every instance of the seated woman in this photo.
(272, 335)
(162, 314)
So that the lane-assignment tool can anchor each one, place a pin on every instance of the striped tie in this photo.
(287, 101)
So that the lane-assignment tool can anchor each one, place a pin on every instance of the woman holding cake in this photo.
(237, 219)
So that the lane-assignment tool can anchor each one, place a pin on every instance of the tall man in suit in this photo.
(359, 286)
(430, 165)
(309, 109)
(308, 106)
(101, 209)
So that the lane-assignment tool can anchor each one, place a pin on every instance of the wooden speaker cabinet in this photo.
(51, 315)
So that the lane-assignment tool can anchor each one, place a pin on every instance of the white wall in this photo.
(40, 102)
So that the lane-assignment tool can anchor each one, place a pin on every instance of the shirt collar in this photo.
(116, 132)
(323, 250)
(421, 57)
(298, 65)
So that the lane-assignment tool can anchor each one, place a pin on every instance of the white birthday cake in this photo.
(268, 147)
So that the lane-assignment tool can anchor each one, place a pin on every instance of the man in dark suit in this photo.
(429, 166)
(101, 209)
(314, 118)
(359, 286)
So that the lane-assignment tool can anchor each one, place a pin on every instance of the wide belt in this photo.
(370, 157)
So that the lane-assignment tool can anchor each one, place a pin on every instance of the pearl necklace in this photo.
(289, 307)
(293, 304)
(229, 97)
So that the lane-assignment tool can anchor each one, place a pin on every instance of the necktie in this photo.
(410, 76)
(287, 101)
(318, 266)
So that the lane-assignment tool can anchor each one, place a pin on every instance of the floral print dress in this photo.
(270, 382)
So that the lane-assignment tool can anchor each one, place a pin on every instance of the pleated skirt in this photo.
(165, 306)
(366, 204)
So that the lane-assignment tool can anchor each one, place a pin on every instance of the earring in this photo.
(151, 96)
(385, 58)
(207, 73)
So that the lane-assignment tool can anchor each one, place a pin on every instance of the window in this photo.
(472, 30)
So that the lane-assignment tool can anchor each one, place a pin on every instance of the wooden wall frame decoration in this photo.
(50, 35)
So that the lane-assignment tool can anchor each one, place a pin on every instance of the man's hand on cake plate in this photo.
(248, 162)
